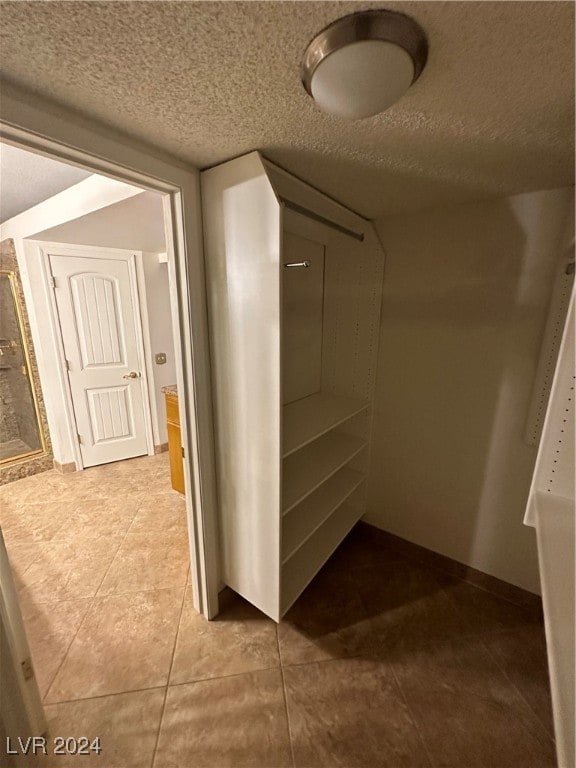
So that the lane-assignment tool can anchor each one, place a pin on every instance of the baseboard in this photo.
(64, 469)
(162, 448)
(427, 557)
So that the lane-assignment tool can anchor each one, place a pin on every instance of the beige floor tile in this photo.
(368, 611)
(15, 485)
(163, 482)
(21, 555)
(116, 488)
(125, 643)
(126, 724)
(159, 513)
(10, 507)
(66, 570)
(99, 518)
(38, 522)
(145, 562)
(232, 722)
(50, 629)
(240, 639)
(350, 713)
(48, 487)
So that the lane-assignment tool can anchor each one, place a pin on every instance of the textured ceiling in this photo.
(491, 115)
(27, 179)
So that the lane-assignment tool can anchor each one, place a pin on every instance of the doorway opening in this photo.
(34, 126)
(92, 314)
(95, 319)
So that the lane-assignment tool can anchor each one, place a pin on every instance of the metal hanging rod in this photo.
(322, 219)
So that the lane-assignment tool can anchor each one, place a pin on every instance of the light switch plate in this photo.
(160, 358)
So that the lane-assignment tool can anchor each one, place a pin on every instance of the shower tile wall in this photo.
(17, 415)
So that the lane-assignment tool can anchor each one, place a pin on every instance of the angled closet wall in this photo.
(294, 286)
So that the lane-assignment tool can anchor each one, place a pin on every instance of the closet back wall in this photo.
(466, 295)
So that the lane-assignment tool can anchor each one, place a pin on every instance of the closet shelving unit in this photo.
(552, 511)
(294, 287)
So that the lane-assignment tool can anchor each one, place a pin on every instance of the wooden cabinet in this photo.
(294, 287)
(174, 439)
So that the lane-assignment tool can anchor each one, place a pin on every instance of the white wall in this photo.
(160, 337)
(466, 296)
(135, 224)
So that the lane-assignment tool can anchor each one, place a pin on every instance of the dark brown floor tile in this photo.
(415, 553)
(350, 713)
(407, 608)
(126, 724)
(327, 621)
(240, 639)
(521, 655)
(485, 612)
(231, 722)
(468, 712)
(365, 546)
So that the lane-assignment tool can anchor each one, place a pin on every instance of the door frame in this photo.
(134, 261)
(24, 714)
(31, 122)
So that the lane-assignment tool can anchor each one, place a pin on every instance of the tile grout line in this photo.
(482, 632)
(107, 571)
(404, 698)
(285, 697)
(92, 599)
(494, 658)
(221, 677)
(103, 695)
(161, 718)
(330, 660)
(65, 656)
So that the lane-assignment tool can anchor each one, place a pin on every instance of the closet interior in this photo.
(294, 283)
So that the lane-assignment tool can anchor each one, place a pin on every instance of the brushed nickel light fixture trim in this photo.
(362, 63)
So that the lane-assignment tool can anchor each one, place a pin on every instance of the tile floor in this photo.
(382, 662)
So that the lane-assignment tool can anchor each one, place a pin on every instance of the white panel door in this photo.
(99, 320)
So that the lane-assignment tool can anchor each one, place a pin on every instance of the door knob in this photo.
(131, 375)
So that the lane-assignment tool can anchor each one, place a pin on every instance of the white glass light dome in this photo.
(360, 65)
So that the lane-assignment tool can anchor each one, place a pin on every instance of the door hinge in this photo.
(52, 281)
(79, 438)
(27, 669)
(183, 454)
(67, 364)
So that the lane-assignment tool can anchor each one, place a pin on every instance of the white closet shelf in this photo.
(305, 420)
(305, 563)
(311, 466)
(304, 519)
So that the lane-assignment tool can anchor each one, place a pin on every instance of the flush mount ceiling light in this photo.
(361, 64)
